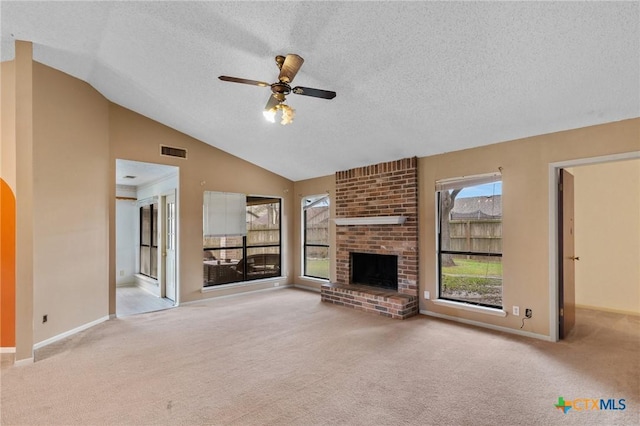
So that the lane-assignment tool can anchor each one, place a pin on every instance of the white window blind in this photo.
(224, 214)
(465, 181)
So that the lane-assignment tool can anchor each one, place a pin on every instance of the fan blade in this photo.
(316, 93)
(290, 68)
(272, 102)
(244, 81)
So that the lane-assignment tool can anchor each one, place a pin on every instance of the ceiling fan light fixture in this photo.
(288, 114)
(289, 66)
(270, 115)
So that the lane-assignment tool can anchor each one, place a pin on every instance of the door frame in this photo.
(554, 173)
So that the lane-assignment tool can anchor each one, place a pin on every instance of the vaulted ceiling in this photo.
(412, 78)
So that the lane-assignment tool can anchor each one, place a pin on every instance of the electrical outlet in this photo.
(276, 284)
(516, 311)
(122, 272)
(45, 318)
(528, 313)
(427, 295)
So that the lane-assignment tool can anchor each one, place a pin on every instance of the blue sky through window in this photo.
(484, 190)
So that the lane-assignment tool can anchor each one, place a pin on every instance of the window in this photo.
(149, 240)
(470, 240)
(241, 238)
(263, 238)
(315, 217)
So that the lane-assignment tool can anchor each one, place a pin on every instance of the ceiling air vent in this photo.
(170, 151)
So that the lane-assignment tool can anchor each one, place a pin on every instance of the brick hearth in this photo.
(381, 190)
(382, 302)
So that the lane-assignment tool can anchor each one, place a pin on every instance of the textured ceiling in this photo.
(135, 173)
(412, 78)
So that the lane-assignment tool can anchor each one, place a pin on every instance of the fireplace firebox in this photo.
(375, 270)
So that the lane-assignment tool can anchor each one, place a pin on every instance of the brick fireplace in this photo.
(377, 213)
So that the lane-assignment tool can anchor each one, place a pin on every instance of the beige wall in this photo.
(525, 170)
(305, 188)
(8, 123)
(134, 137)
(70, 210)
(607, 237)
(68, 137)
(525, 174)
(24, 199)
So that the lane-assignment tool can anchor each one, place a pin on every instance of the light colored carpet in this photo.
(283, 357)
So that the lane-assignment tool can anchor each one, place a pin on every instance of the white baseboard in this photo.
(69, 333)
(489, 326)
(21, 362)
(7, 350)
(275, 282)
(603, 309)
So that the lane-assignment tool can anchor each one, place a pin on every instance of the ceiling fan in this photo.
(289, 67)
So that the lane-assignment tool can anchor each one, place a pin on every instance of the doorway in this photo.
(606, 205)
(146, 237)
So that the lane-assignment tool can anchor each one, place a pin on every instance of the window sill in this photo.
(314, 279)
(471, 308)
(274, 280)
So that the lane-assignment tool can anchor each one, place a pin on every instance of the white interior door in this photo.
(170, 247)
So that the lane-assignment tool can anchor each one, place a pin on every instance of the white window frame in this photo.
(445, 185)
(318, 198)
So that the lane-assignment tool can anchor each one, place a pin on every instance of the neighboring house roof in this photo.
(315, 215)
(259, 216)
(485, 207)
